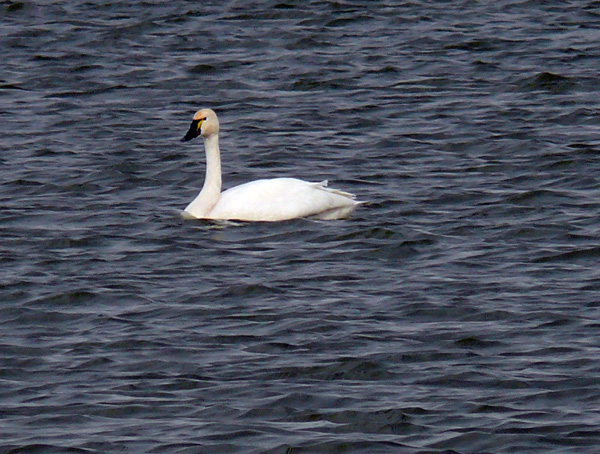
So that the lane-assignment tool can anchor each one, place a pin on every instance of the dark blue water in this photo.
(458, 312)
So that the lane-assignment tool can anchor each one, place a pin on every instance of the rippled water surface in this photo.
(459, 311)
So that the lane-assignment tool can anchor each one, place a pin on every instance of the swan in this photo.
(276, 199)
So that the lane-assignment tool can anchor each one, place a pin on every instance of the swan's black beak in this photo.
(193, 132)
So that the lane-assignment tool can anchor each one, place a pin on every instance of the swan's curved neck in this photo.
(211, 191)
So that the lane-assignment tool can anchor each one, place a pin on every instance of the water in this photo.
(457, 312)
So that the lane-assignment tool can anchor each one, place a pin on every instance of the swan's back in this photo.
(280, 199)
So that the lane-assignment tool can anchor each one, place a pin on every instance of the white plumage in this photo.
(276, 199)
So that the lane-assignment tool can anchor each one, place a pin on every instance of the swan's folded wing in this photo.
(280, 199)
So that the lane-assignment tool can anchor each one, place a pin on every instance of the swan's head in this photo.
(204, 123)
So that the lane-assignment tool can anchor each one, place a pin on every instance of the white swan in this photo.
(276, 199)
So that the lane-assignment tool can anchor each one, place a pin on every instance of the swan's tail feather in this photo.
(323, 185)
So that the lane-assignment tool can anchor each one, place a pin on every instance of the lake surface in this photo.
(459, 311)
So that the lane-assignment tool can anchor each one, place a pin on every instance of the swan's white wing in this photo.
(282, 198)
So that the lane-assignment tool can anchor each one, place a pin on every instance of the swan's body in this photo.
(277, 199)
